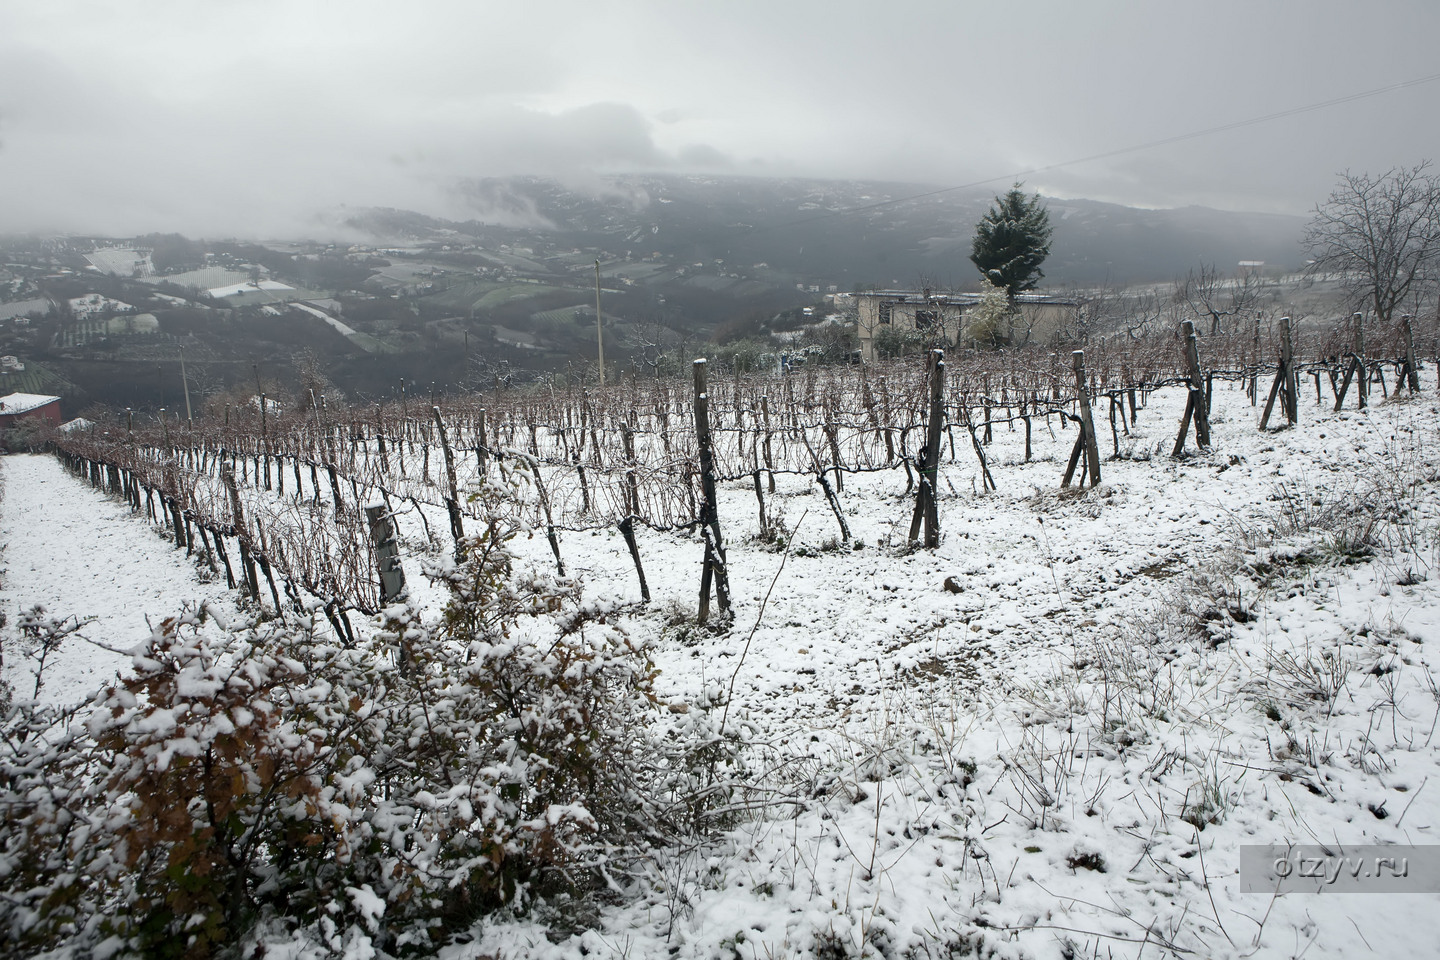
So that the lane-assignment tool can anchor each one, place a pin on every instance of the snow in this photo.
(235, 289)
(343, 328)
(24, 308)
(80, 553)
(17, 403)
(122, 261)
(94, 303)
(950, 770)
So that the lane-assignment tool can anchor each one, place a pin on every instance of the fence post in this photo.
(927, 510)
(769, 457)
(1255, 368)
(1412, 369)
(831, 434)
(387, 552)
(237, 519)
(1292, 380)
(265, 436)
(452, 501)
(632, 487)
(1197, 405)
(482, 445)
(1286, 383)
(1085, 443)
(714, 569)
(1356, 365)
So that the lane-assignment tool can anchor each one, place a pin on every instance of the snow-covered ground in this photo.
(248, 286)
(1047, 738)
(343, 328)
(81, 554)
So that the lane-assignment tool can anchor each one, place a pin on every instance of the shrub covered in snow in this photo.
(383, 795)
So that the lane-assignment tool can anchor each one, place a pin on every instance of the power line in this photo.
(1134, 148)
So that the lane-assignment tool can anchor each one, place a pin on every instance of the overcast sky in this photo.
(262, 117)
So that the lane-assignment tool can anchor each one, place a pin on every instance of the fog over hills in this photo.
(847, 233)
(501, 285)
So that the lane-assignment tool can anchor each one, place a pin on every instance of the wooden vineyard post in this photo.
(1356, 365)
(379, 448)
(927, 510)
(769, 458)
(177, 521)
(482, 446)
(885, 416)
(247, 563)
(335, 488)
(1086, 445)
(632, 487)
(714, 569)
(1197, 405)
(831, 435)
(1255, 368)
(452, 500)
(1411, 370)
(227, 476)
(264, 435)
(387, 552)
(1286, 383)
(1292, 378)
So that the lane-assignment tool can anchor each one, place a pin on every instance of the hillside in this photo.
(1055, 735)
(839, 232)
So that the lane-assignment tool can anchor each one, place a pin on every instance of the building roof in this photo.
(968, 299)
(24, 402)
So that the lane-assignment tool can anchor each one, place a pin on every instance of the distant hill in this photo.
(847, 233)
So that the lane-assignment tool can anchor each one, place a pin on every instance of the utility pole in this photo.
(186, 384)
(599, 335)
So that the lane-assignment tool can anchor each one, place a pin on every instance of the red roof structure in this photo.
(28, 406)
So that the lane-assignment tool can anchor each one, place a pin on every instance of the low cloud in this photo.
(226, 169)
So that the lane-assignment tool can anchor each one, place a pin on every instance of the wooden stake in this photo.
(452, 501)
(1411, 369)
(1197, 404)
(1286, 384)
(1085, 443)
(927, 511)
(714, 569)
(1356, 365)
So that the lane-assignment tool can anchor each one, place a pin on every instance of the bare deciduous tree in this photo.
(1380, 235)
(1212, 297)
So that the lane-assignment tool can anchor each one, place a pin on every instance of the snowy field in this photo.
(248, 286)
(80, 554)
(1049, 737)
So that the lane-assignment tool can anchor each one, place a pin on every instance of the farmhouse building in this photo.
(904, 310)
(28, 406)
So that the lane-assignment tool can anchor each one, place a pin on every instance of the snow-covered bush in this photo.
(384, 794)
(990, 323)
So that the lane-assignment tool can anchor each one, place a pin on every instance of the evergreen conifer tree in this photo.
(1011, 241)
